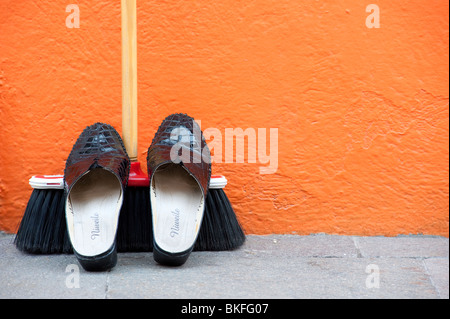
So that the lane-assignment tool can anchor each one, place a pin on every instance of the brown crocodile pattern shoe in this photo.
(179, 166)
(95, 178)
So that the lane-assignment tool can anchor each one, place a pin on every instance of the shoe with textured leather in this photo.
(179, 166)
(95, 178)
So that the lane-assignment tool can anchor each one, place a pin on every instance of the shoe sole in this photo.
(94, 204)
(177, 208)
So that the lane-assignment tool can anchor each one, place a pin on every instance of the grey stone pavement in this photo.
(265, 267)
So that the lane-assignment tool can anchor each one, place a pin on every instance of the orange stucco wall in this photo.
(362, 114)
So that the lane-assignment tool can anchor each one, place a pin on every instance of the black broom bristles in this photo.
(220, 228)
(43, 227)
(134, 232)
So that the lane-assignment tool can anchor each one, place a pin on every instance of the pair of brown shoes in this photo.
(96, 175)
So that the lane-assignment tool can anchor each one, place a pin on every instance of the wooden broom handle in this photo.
(129, 78)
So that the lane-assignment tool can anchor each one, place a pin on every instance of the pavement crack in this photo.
(107, 284)
(430, 278)
(358, 248)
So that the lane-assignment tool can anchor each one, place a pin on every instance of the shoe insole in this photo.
(177, 208)
(94, 204)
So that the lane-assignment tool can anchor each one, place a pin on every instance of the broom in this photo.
(135, 225)
(220, 230)
(43, 228)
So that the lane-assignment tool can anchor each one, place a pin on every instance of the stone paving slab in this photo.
(275, 266)
(412, 246)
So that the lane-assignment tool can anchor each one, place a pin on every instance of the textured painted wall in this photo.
(362, 114)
